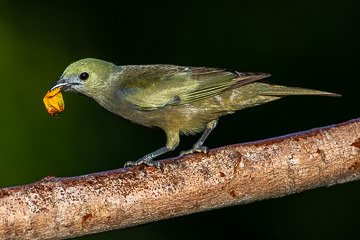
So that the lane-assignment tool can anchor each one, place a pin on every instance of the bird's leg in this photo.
(198, 146)
(172, 142)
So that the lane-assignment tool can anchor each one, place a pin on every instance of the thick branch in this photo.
(56, 208)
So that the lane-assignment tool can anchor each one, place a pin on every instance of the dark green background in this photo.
(313, 44)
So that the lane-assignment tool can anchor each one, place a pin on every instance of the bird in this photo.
(177, 99)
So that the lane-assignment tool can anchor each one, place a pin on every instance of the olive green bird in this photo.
(179, 100)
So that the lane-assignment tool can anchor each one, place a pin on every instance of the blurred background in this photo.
(312, 44)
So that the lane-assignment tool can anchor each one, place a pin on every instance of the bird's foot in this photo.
(146, 161)
(195, 149)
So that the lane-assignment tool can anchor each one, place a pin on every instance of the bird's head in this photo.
(90, 77)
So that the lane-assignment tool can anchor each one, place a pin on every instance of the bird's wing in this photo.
(151, 87)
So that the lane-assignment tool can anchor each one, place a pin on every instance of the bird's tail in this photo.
(280, 91)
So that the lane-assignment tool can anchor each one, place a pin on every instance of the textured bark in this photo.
(56, 208)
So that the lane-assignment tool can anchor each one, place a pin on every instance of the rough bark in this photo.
(56, 208)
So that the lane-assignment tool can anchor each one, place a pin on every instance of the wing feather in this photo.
(151, 87)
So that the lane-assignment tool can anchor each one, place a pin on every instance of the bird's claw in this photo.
(147, 162)
(195, 149)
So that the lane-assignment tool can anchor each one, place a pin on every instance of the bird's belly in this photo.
(186, 118)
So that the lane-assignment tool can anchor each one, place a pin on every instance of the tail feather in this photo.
(277, 90)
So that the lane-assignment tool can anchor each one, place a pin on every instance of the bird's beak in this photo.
(61, 84)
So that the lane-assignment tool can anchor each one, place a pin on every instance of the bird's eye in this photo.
(83, 76)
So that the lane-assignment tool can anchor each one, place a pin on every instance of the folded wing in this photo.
(151, 87)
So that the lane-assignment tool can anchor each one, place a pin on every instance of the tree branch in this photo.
(56, 208)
